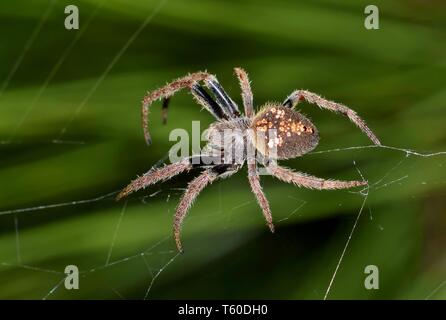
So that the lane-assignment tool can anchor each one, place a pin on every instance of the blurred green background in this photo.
(70, 131)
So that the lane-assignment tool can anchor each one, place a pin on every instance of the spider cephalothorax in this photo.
(276, 132)
(287, 132)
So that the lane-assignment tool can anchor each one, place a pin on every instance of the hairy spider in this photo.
(294, 135)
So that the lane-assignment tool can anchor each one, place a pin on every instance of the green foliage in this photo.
(393, 77)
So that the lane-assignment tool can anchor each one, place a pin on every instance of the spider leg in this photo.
(191, 193)
(293, 99)
(167, 172)
(307, 181)
(227, 104)
(203, 98)
(246, 91)
(164, 93)
(254, 181)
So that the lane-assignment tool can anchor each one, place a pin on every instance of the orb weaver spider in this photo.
(295, 136)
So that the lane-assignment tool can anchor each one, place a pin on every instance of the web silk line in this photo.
(407, 151)
(158, 273)
(115, 234)
(17, 239)
(54, 288)
(54, 71)
(435, 290)
(57, 205)
(341, 258)
(28, 267)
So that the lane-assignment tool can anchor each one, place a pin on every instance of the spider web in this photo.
(167, 256)
(158, 256)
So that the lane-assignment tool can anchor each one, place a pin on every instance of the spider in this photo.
(295, 136)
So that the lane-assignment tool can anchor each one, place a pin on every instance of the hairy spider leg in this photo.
(248, 100)
(293, 99)
(193, 190)
(205, 99)
(307, 181)
(222, 97)
(167, 172)
(165, 92)
(153, 176)
(254, 181)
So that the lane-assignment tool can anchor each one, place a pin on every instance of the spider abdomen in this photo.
(283, 133)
